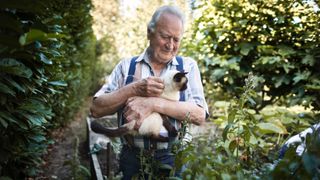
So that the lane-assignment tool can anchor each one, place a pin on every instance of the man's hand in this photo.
(149, 87)
(138, 108)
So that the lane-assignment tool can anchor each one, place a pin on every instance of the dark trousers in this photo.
(130, 161)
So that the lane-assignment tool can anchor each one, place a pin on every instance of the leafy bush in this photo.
(249, 144)
(47, 62)
(276, 40)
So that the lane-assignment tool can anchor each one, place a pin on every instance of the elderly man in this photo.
(135, 85)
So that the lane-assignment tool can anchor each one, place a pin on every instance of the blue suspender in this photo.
(132, 69)
(180, 68)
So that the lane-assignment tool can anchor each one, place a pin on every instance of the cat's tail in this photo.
(110, 132)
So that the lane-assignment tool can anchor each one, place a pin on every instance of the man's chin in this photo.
(167, 57)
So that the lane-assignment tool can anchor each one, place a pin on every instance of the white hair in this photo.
(174, 10)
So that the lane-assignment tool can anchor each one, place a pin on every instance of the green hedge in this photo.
(48, 67)
(275, 40)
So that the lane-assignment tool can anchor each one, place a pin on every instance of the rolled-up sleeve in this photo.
(195, 91)
(114, 82)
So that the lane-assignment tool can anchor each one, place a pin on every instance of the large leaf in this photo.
(37, 35)
(14, 67)
(267, 128)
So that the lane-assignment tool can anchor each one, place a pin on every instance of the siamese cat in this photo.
(174, 82)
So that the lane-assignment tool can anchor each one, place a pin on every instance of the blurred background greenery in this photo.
(54, 54)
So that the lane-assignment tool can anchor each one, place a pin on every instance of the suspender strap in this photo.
(180, 68)
(132, 70)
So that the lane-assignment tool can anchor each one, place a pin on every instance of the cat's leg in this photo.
(169, 127)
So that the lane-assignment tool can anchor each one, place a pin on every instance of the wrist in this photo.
(157, 104)
(133, 89)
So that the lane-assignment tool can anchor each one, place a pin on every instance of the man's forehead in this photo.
(168, 25)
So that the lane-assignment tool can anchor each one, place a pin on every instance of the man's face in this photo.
(165, 40)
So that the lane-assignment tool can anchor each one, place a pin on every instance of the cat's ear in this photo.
(179, 75)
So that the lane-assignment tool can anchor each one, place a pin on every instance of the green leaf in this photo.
(288, 67)
(13, 83)
(38, 138)
(37, 35)
(218, 73)
(299, 76)
(7, 116)
(232, 115)
(43, 58)
(232, 146)
(58, 83)
(267, 128)
(252, 102)
(225, 131)
(14, 67)
(3, 123)
(246, 48)
(285, 51)
(309, 60)
(266, 50)
(284, 79)
(269, 59)
(35, 120)
(165, 166)
(6, 89)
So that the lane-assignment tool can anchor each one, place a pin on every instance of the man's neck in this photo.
(155, 65)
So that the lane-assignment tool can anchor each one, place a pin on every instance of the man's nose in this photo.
(170, 44)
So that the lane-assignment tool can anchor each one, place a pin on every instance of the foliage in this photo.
(46, 61)
(275, 39)
(248, 145)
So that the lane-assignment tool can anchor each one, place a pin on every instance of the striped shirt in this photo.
(193, 93)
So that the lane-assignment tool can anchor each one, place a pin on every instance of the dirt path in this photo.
(62, 159)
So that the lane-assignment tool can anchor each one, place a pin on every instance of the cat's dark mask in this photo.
(179, 78)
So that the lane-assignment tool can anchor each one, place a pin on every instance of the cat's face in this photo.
(176, 81)
(181, 80)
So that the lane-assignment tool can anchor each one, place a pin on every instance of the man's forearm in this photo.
(181, 110)
(109, 103)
